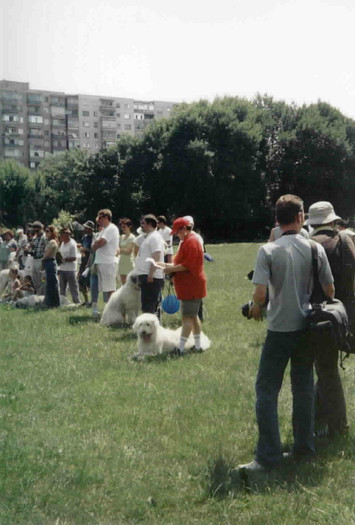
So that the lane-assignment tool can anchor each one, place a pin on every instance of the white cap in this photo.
(190, 219)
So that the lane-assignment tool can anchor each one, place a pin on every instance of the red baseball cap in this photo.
(179, 223)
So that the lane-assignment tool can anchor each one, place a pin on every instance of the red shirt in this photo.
(191, 283)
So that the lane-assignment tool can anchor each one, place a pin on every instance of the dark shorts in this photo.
(190, 307)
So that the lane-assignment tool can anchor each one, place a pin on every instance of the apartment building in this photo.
(35, 124)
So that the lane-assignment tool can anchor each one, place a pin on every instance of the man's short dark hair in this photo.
(151, 219)
(161, 218)
(287, 208)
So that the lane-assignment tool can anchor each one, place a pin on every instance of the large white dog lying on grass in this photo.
(38, 301)
(123, 305)
(153, 339)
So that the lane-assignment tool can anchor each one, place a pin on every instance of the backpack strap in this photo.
(314, 253)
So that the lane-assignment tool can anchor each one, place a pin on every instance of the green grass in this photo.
(89, 437)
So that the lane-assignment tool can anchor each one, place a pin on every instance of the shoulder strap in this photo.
(314, 251)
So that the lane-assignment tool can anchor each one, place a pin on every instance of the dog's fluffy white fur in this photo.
(153, 339)
(38, 301)
(123, 305)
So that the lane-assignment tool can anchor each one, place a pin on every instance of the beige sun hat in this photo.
(321, 212)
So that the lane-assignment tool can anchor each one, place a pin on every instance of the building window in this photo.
(35, 119)
(86, 124)
(96, 135)
(127, 127)
(96, 124)
(86, 113)
(96, 114)
(86, 135)
(127, 116)
(109, 124)
(12, 152)
(36, 153)
(127, 106)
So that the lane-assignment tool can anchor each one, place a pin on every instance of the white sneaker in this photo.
(253, 466)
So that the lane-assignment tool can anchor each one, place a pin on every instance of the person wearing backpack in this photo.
(284, 268)
(330, 406)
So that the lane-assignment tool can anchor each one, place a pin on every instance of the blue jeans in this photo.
(52, 292)
(278, 349)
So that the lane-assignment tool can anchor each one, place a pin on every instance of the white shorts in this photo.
(107, 276)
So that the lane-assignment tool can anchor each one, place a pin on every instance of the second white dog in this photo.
(153, 339)
(123, 305)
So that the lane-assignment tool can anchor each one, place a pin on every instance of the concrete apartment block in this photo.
(35, 124)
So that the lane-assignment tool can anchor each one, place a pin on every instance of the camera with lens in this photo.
(246, 309)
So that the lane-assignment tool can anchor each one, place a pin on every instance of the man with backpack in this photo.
(284, 268)
(330, 406)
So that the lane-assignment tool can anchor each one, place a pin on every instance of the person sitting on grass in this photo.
(12, 286)
(25, 289)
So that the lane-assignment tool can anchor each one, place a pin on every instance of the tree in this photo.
(18, 193)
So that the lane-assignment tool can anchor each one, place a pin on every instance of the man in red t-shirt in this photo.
(189, 280)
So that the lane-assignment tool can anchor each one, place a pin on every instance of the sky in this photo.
(294, 50)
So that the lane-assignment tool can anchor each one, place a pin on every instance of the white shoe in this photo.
(253, 466)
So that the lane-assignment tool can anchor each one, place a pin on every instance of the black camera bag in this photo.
(327, 321)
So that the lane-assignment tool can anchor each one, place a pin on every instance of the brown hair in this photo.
(53, 231)
(151, 219)
(287, 208)
(9, 232)
(105, 213)
(126, 221)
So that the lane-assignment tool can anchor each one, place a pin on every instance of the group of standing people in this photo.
(283, 273)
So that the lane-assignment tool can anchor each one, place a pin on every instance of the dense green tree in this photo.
(20, 194)
(63, 178)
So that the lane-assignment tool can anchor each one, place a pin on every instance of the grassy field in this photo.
(89, 437)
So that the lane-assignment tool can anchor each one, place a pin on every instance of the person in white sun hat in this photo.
(330, 406)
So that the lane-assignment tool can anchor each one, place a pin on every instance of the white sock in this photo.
(197, 338)
(182, 343)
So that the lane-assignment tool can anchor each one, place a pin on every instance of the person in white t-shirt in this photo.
(151, 278)
(105, 248)
(165, 231)
(67, 270)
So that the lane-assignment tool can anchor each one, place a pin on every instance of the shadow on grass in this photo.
(225, 479)
(79, 319)
(170, 356)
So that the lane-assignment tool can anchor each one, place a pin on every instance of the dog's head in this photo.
(133, 280)
(146, 326)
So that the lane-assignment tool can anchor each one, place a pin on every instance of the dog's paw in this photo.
(137, 357)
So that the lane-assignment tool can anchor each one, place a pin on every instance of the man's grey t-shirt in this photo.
(285, 266)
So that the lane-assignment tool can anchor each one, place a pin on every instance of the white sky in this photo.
(295, 50)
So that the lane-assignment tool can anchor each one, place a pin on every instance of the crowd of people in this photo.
(54, 262)
(283, 280)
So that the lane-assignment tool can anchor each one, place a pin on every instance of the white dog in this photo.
(153, 339)
(124, 304)
(38, 300)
